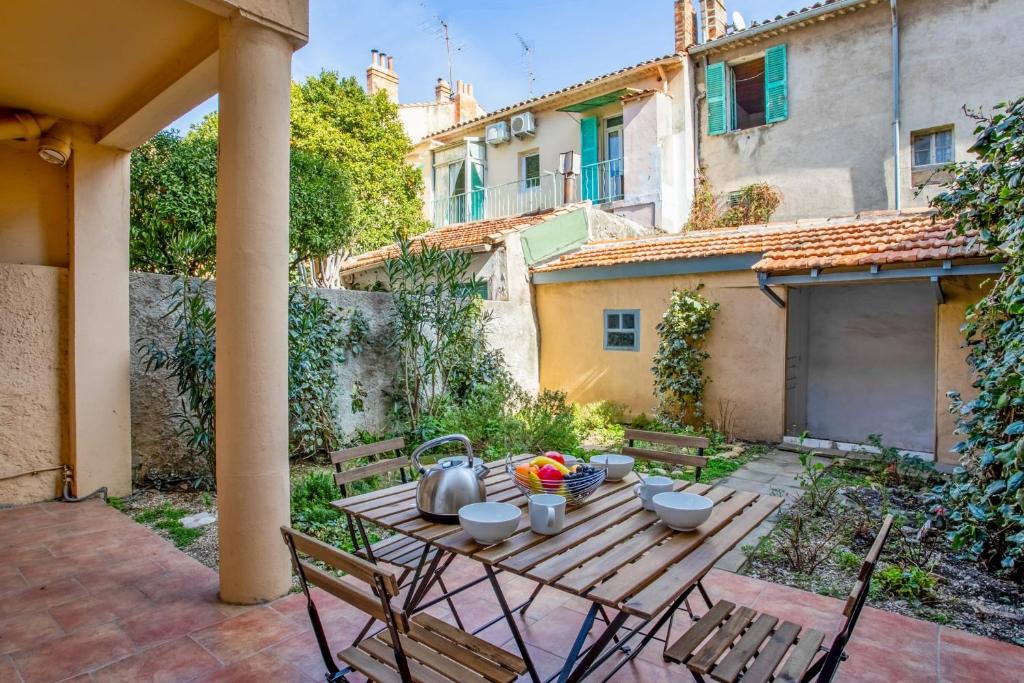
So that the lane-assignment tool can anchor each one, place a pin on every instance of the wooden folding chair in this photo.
(397, 550)
(697, 443)
(421, 648)
(732, 644)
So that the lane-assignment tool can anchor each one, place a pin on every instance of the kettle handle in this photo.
(437, 442)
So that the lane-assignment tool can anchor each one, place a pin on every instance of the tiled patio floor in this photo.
(88, 595)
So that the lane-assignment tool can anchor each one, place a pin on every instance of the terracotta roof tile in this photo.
(829, 243)
(458, 236)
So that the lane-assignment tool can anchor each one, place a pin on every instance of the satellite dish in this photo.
(738, 22)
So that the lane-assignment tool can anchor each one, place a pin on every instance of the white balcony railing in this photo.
(600, 183)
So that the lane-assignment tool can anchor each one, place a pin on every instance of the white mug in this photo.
(650, 487)
(547, 513)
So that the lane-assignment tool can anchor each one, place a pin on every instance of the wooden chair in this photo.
(419, 648)
(698, 443)
(397, 550)
(732, 643)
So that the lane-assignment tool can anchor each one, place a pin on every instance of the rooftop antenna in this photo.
(526, 52)
(738, 22)
(438, 26)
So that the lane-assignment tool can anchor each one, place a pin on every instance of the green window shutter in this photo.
(776, 86)
(589, 185)
(715, 82)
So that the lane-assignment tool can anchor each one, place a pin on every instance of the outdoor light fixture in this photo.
(55, 144)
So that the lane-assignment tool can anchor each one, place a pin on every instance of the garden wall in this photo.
(154, 399)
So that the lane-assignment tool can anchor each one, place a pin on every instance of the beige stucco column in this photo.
(252, 311)
(98, 344)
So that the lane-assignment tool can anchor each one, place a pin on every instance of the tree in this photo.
(335, 118)
(984, 506)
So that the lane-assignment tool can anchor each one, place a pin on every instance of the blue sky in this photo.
(573, 40)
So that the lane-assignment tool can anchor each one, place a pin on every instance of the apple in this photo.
(555, 455)
(550, 473)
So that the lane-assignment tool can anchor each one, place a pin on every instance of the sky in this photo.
(571, 40)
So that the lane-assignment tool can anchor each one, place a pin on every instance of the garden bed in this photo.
(920, 578)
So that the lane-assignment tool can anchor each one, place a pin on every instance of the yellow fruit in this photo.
(536, 485)
(541, 460)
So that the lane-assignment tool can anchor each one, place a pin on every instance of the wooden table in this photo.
(612, 552)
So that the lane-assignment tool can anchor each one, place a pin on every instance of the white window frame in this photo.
(524, 185)
(635, 330)
(930, 133)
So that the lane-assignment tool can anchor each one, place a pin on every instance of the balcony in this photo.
(600, 183)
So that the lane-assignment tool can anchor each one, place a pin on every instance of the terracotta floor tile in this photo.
(244, 635)
(261, 667)
(72, 654)
(8, 674)
(874, 662)
(556, 632)
(898, 632)
(36, 598)
(170, 621)
(965, 656)
(301, 651)
(178, 660)
(26, 555)
(11, 580)
(27, 630)
(101, 608)
(99, 579)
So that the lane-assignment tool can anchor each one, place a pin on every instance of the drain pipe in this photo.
(101, 492)
(895, 103)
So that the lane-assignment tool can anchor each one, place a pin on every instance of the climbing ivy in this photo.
(678, 368)
(983, 507)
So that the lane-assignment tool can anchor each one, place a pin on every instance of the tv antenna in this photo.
(526, 52)
(440, 29)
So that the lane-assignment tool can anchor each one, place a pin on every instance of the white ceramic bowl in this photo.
(570, 460)
(489, 523)
(682, 511)
(617, 466)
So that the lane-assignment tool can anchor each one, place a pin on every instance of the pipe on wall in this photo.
(23, 125)
(894, 12)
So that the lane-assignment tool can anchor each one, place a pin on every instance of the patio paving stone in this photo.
(156, 617)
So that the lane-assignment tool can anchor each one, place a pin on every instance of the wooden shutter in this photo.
(590, 187)
(776, 86)
(715, 82)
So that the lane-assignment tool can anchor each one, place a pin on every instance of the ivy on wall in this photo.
(679, 378)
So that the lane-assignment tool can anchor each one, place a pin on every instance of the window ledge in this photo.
(740, 131)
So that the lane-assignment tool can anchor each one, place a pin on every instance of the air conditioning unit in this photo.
(523, 124)
(497, 133)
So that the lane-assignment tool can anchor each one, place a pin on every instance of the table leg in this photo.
(366, 539)
(414, 585)
(573, 674)
(520, 643)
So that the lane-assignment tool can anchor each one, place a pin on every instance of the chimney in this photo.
(714, 18)
(442, 91)
(686, 25)
(466, 106)
(380, 75)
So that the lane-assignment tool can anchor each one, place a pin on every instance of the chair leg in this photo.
(529, 602)
(451, 605)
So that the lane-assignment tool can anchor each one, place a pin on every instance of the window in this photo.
(622, 330)
(529, 170)
(932, 147)
(748, 93)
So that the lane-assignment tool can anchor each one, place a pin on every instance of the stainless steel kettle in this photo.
(450, 484)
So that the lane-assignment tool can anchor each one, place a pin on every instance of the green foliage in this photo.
(678, 368)
(602, 421)
(173, 214)
(334, 118)
(984, 507)
(167, 518)
(312, 512)
(893, 467)
(754, 203)
(820, 487)
(321, 207)
(116, 503)
(912, 583)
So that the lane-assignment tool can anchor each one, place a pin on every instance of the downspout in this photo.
(895, 103)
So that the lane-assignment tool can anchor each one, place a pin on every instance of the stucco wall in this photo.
(33, 208)
(154, 395)
(33, 381)
(747, 346)
(833, 155)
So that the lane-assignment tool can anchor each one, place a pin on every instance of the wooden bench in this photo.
(421, 648)
(738, 644)
(674, 458)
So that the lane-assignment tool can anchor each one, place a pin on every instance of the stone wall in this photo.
(154, 395)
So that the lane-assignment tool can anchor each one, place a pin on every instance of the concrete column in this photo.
(252, 311)
(98, 343)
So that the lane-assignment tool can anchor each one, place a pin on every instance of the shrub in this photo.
(913, 583)
(311, 510)
(678, 368)
(754, 203)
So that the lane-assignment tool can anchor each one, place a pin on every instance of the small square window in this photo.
(529, 170)
(622, 330)
(931, 148)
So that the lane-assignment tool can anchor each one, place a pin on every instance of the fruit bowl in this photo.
(576, 484)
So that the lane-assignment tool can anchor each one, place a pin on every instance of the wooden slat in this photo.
(431, 657)
(338, 559)
(371, 470)
(362, 601)
(368, 666)
(420, 672)
(768, 659)
(801, 656)
(346, 454)
(708, 654)
(492, 652)
(633, 577)
(681, 650)
(680, 576)
(669, 439)
(666, 456)
(729, 669)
